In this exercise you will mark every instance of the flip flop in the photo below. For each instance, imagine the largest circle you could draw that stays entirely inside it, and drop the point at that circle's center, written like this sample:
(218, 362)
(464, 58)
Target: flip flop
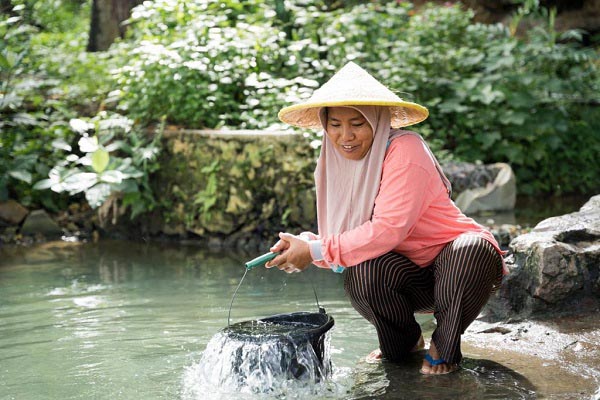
(433, 362)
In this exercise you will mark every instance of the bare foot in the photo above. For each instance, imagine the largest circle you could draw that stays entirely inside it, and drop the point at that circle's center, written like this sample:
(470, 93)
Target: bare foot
(375, 356)
(436, 366)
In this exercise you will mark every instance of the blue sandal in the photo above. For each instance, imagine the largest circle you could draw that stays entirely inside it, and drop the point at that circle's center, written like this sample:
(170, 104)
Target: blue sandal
(433, 362)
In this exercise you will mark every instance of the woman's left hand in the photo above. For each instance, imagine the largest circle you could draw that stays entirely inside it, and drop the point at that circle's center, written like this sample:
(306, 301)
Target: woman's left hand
(295, 254)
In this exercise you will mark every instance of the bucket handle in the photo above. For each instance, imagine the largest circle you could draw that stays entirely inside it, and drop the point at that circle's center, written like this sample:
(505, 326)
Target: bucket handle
(258, 261)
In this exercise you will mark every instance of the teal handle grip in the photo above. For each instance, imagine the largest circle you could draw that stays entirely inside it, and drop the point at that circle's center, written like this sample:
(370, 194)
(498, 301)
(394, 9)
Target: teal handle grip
(261, 260)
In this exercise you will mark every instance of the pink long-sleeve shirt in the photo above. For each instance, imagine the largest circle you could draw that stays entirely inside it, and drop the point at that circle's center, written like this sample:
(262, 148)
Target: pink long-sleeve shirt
(413, 214)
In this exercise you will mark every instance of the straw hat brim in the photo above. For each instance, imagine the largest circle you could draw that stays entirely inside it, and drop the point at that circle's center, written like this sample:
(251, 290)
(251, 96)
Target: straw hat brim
(352, 86)
(306, 115)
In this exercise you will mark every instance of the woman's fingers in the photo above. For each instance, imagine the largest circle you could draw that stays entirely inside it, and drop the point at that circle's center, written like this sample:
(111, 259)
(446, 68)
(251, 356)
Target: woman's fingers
(278, 261)
(290, 269)
(279, 246)
(292, 250)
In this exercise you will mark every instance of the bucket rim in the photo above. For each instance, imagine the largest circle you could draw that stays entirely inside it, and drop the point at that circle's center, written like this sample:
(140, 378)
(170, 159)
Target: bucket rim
(323, 327)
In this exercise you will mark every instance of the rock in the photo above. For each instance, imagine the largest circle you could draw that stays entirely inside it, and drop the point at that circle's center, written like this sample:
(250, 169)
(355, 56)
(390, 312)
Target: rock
(214, 243)
(555, 267)
(464, 175)
(39, 222)
(499, 195)
(12, 212)
(174, 230)
(505, 233)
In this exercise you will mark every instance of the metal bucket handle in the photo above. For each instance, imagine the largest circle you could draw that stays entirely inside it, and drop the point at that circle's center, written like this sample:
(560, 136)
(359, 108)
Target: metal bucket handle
(256, 262)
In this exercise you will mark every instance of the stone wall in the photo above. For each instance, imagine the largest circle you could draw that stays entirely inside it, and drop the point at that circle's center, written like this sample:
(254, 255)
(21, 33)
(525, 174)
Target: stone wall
(232, 187)
(235, 186)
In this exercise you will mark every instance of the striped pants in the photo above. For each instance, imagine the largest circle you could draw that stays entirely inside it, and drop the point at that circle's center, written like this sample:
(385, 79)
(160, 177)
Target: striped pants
(390, 289)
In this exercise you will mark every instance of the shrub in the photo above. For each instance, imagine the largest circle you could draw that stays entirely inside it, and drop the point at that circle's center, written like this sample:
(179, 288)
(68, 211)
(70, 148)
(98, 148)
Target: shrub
(531, 101)
(112, 163)
(46, 80)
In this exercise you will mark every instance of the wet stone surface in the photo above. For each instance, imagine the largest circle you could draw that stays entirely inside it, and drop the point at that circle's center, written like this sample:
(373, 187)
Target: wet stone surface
(559, 356)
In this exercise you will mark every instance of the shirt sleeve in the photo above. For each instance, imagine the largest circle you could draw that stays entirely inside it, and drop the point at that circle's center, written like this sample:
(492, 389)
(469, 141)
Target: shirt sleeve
(404, 195)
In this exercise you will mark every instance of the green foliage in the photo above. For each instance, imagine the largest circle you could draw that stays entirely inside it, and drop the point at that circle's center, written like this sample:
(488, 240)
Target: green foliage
(46, 79)
(530, 100)
(50, 15)
(112, 159)
(203, 67)
(492, 96)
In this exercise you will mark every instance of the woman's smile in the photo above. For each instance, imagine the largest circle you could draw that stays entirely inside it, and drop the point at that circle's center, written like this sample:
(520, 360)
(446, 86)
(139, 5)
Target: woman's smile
(349, 131)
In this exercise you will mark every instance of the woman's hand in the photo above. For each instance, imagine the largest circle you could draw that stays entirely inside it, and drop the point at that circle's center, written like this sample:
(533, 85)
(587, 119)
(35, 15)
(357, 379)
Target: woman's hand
(295, 254)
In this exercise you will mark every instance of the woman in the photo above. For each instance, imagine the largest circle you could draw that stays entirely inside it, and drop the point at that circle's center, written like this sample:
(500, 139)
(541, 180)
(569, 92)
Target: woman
(385, 216)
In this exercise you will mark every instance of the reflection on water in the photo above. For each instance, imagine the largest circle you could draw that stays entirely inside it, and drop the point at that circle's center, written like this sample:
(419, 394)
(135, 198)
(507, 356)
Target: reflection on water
(132, 321)
(529, 211)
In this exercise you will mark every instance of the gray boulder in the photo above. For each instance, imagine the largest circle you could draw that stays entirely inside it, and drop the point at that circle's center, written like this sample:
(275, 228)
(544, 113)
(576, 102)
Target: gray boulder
(554, 268)
(497, 195)
(39, 222)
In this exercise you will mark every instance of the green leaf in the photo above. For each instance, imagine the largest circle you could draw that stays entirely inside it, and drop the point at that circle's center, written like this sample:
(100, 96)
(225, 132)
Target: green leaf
(488, 139)
(112, 177)
(24, 176)
(116, 145)
(88, 144)
(128, 186)
(452, 106)
(43, 184)
(100, 159)
(61, 144)
(80, 182)
(4, 64)
(97, 195)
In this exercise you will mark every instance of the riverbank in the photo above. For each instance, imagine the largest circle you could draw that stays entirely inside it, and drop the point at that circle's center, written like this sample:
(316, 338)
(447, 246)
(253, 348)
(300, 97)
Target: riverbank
(79, 223)
(545, 350)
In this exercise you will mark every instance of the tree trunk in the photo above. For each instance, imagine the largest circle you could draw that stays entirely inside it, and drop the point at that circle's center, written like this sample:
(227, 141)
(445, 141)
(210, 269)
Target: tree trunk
(107, 22)
(6, 7)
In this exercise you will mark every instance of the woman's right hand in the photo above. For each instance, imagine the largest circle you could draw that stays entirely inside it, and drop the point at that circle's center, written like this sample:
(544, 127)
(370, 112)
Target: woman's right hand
(294, 254)
(280, 246)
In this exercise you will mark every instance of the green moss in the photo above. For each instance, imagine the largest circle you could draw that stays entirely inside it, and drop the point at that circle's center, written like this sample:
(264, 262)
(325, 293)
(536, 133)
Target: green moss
(229, 182)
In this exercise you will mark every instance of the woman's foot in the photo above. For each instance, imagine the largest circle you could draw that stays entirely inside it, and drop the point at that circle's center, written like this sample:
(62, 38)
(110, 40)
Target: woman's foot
(434, 365)
(375, 356)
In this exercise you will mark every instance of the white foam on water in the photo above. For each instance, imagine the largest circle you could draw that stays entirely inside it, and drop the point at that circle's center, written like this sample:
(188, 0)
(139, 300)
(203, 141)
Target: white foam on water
(269, 368)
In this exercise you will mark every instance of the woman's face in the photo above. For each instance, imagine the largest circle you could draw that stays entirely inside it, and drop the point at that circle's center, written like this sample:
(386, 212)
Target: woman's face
(349, 131)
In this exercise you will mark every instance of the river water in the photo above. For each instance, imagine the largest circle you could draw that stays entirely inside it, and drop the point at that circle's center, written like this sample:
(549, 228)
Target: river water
(123, 320)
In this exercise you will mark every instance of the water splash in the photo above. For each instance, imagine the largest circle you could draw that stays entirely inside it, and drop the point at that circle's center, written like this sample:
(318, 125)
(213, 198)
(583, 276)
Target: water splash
(271, 366)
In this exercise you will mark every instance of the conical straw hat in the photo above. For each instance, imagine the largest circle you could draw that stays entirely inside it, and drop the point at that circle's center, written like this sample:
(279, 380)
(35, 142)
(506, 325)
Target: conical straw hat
(352, 86)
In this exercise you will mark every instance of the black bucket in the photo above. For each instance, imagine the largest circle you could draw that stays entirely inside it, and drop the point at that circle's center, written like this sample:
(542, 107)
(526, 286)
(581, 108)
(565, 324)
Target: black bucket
(300, 339)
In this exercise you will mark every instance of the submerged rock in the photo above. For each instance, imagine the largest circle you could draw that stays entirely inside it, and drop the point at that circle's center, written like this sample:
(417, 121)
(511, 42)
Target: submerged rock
(555, 267)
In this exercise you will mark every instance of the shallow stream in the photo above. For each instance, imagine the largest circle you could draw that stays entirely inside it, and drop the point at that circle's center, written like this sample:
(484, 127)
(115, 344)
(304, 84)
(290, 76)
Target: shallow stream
(123, 320)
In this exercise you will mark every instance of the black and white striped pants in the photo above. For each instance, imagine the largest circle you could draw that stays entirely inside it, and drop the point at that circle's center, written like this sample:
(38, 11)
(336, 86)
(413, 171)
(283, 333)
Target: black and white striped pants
(390, 289)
